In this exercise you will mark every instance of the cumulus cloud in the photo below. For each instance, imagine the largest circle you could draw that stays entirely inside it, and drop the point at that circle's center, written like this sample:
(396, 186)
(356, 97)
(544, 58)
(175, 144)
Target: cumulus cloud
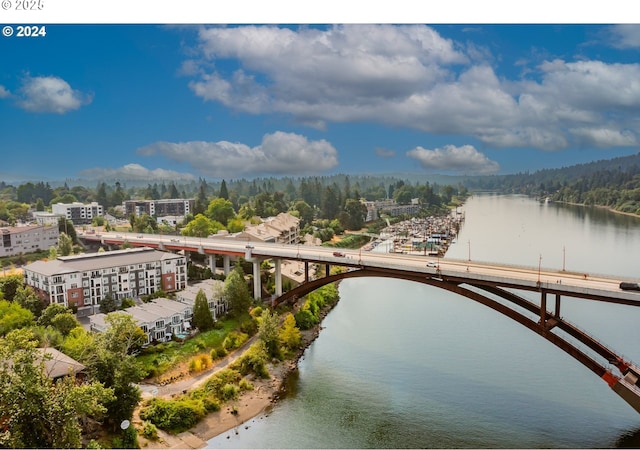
(4, 93)
(465, 159)
(50, 95)
(278, 154)
(135, 172)
(412, 77)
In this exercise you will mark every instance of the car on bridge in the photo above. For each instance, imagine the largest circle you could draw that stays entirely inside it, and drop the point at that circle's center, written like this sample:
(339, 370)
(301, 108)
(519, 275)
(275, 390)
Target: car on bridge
(339, 254)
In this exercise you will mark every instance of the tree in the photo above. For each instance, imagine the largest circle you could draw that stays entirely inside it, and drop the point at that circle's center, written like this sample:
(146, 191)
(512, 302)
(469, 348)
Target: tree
(37, 412)
(50, 312)
(224, 193)
(112, 362)
(65, 245)
(202, 318)
(65, 322)
(108, 304)
(289, 333)
(269, 332)
(28, 299)
(220, 210)
(202, 226)
(10, 284)
(53, 252)
(13, 316)
(236, 291)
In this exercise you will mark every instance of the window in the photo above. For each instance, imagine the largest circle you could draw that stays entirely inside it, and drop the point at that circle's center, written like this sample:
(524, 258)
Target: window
(160, 324)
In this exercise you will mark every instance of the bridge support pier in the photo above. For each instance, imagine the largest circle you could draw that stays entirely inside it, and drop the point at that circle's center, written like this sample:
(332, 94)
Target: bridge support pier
(306, 271)
(212, 263)
(278, 275)
(226, 264)
(257, 288)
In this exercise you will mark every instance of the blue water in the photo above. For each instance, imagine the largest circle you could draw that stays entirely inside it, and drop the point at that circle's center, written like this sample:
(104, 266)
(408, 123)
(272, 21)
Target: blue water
(401, 365)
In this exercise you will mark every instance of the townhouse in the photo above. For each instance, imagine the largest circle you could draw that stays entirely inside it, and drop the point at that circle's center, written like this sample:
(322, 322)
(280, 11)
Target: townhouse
(160, 319)
(213, 290)
(82, 281)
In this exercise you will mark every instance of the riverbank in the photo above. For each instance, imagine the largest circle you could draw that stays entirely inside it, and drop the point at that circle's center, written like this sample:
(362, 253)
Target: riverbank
(236, 415)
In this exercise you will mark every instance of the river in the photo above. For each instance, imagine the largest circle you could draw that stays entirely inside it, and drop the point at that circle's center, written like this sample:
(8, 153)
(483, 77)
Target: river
(401, 365)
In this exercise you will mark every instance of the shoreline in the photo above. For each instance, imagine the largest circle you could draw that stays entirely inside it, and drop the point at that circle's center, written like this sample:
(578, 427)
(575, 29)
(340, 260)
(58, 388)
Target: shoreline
(251, 405)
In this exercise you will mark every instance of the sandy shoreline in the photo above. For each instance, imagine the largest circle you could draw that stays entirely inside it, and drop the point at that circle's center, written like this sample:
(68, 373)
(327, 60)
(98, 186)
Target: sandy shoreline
(255, 404)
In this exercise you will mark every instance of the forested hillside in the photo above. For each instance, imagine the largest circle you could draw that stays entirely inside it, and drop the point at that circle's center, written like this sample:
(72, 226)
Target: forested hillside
(614, 183)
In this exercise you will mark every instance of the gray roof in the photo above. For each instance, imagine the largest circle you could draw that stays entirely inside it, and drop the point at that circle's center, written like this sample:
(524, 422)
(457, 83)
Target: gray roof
(94, 261)
(60, 364)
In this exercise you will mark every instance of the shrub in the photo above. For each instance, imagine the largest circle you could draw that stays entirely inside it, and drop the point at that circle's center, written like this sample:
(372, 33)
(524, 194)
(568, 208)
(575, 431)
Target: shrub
(200, 362)
(174, 415)
(229, 392)
(246, 385)
(234, 340)
(150, 431)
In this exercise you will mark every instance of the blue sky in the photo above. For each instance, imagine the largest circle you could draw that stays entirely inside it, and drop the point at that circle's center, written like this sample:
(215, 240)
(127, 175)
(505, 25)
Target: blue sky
(240, 101)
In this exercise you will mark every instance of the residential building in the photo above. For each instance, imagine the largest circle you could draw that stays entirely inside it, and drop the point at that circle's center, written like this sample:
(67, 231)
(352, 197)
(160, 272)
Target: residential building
(158, 208)
(281, 229)
(46, 218)
(27, 239)
(82, 281)
(160, 319)
(78, 213)
(58, 365)
(212, 289)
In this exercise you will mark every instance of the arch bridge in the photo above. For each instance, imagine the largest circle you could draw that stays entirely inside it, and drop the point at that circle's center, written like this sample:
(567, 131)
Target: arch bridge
(489, 284)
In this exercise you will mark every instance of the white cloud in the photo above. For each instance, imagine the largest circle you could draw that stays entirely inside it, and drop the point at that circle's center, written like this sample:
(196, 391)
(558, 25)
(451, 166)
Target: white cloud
(135, 172)
(465, 159)
(4, 93)
(279, 154)
(604, 137)
(411, 77)
(50, 95)
(625, 35)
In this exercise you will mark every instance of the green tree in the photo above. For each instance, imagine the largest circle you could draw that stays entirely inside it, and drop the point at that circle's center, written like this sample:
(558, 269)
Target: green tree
(112, 362)
(10, 284)
(202, 226)
(269, 332)
(13, 316)
(65, 322)
(50, 312)
(36, 412)
(65, 245)
(28, 299)
(224, 192)
(202, 318)
(53, 253)
(108, 304)
(289, 333)
(236, 291)
(220, 210)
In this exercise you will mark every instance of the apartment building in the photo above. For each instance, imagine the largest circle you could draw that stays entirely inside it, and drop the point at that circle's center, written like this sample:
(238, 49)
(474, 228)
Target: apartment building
(27, 239)
(78, 213)
(281, 229)
(82, 281)
(160, 319)
(159, 208)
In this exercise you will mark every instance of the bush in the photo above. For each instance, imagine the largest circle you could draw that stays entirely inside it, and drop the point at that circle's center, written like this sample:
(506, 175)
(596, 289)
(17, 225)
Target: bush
(234, 340)
(150, 431)
(246, 385)
(229, 392)
(200, 362)
(174, 415)
(218, 352)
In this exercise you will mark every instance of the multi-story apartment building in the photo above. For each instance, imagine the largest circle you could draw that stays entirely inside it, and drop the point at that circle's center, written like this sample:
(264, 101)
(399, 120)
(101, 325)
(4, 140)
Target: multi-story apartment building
(160, 319)
(78, 213)
(159, 208)
(27, 239)
(83, 281)
(281, 229)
